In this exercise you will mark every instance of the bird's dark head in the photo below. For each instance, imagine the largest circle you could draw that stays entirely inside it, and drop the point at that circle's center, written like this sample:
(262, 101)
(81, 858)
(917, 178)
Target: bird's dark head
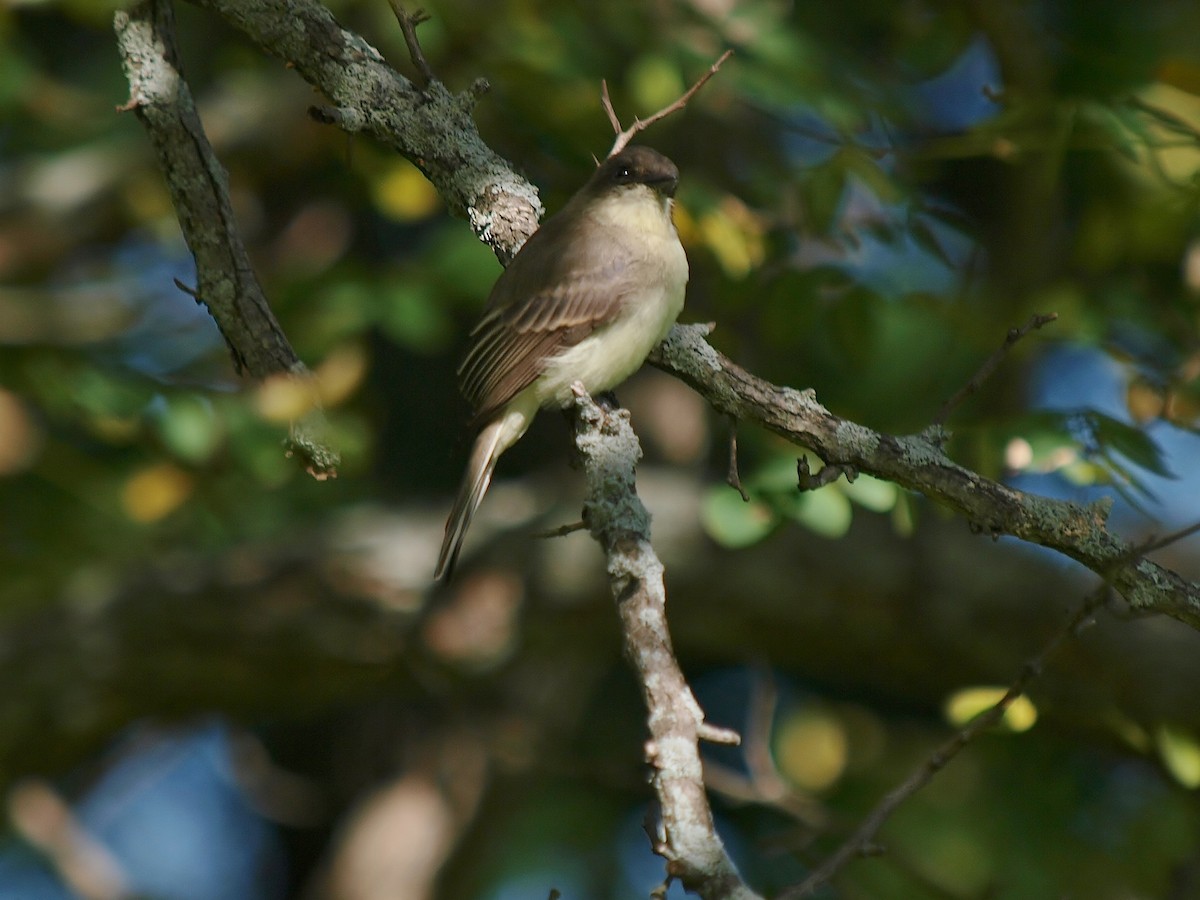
(637, 165)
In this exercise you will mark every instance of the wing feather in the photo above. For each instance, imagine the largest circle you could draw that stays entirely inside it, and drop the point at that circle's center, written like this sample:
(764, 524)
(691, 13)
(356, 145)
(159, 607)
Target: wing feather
(554, 293)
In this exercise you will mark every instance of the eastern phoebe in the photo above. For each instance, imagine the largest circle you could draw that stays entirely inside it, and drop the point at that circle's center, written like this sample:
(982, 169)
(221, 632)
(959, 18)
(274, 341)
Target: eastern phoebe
(585, 299)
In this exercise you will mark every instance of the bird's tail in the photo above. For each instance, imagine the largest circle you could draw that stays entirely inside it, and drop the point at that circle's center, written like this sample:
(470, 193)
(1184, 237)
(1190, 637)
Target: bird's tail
(476, 479)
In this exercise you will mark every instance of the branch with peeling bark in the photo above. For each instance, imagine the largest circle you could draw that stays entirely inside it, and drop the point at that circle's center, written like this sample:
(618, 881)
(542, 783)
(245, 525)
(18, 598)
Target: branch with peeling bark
(617, 520)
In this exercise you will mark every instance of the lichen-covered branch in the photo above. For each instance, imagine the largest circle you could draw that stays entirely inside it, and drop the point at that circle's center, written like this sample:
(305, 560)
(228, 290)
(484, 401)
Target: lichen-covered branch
(430, 125)
(199, 189)
(917, 462)
(618, 521)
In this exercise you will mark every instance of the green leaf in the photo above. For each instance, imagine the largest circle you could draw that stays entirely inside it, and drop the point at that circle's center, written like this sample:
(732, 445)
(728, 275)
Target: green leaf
(190, 428)
(732, 522)
(412, 315)
(822, 193)
(1130, 441)
(877, 496)
(1180, 754)
(826, 511)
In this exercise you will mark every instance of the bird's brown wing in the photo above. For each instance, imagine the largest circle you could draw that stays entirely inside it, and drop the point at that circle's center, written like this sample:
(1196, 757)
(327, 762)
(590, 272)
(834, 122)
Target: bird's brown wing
(534, 314)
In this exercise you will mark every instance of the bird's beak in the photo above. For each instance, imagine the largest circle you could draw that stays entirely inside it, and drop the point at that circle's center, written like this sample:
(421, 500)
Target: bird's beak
(665, 184)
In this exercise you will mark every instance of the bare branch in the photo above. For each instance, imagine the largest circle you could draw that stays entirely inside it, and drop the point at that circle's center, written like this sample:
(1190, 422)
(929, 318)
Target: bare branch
(918, 463)
(199, 188)
(624, 137)
(561, 530)
(618, 521)
(827, 474)
(989, 365)
(432, 127)
(1173, 537)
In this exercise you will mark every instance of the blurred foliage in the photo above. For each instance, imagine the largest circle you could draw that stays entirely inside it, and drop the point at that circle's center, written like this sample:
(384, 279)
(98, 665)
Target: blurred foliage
(872, 195)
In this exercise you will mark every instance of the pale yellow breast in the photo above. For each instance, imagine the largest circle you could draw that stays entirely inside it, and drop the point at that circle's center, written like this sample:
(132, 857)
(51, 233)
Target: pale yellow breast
(611, 354)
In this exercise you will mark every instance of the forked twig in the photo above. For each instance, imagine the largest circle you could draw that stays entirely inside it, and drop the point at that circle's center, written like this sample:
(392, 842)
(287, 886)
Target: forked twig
(408, 27)
(626, 135)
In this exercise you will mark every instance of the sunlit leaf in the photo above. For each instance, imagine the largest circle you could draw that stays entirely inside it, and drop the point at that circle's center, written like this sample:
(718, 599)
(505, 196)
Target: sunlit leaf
(20, 436)
(964, 705)
(405, 194)
(826, 511)
(285, 398)
(1180, 753)
(654, 81)
(340, 373)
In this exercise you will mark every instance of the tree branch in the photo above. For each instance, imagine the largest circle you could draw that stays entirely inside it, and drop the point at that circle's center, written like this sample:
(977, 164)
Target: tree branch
(917, 462)
(618, 521)
(430, 126)
(199, 188)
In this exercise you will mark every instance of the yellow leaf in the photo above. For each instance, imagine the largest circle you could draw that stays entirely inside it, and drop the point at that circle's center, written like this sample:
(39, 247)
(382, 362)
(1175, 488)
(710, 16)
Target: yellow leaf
(966, 704)
(285, 398)
(811, 749)
(1180, 753)
(735, 236)
(340, 373)
(155, 492)
(20, 436)
(404, 194)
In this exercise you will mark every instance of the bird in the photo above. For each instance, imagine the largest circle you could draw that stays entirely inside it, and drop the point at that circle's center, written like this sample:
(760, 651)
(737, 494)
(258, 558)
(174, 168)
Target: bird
(585, 299)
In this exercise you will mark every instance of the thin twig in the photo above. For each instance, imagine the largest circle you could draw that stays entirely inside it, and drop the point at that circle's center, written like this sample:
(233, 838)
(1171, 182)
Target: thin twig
(733, 478)
(919, 463)
(561, 530)
(989, 365)
(606, 102)
(863, 839)
(1167, 540)
(624, 137)
(408, 27)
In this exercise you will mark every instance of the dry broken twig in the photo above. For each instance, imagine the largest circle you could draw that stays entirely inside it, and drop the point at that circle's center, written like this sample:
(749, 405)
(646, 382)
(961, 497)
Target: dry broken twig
(626, 135)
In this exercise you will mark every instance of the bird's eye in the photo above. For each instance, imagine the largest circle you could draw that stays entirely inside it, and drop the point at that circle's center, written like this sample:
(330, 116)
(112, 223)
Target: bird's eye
(624, 173)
